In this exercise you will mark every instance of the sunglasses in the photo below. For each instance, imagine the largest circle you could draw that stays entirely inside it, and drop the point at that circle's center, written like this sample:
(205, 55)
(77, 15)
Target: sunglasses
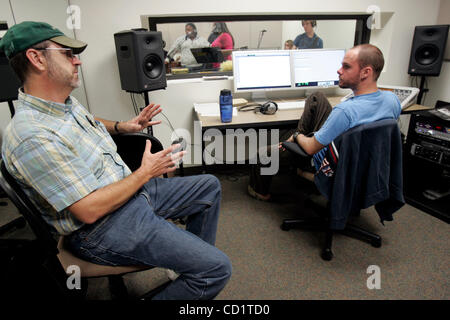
(67, 51)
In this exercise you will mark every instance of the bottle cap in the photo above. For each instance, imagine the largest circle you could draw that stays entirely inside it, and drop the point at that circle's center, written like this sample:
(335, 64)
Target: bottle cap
(225, 92)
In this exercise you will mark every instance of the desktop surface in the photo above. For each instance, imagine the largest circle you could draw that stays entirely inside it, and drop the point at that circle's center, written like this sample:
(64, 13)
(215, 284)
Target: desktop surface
(250, 119)
(283, 117)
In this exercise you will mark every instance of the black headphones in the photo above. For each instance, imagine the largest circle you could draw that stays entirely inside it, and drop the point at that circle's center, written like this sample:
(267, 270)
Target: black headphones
(268, 107)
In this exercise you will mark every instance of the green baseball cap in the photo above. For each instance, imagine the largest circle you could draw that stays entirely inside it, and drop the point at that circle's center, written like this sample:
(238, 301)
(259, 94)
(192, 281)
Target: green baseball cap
(25, 34)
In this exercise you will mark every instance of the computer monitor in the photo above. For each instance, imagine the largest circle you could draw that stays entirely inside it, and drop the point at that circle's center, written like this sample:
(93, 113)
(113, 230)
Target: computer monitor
(260, 71)
(317, 67)
(269, 70)
(207, 55)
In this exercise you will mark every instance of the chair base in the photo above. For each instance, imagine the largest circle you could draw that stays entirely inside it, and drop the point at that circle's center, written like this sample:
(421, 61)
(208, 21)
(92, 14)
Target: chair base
(321, 224)
(17, 223)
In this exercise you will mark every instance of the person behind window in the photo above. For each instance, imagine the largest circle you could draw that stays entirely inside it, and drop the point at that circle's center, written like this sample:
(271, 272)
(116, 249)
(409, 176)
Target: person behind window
(184, 44)
(289, 45)
(309, 39)
(221, 38)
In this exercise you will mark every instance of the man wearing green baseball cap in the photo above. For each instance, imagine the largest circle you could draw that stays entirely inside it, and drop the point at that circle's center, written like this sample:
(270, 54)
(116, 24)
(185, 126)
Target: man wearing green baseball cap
(67, 163)
(26, 34)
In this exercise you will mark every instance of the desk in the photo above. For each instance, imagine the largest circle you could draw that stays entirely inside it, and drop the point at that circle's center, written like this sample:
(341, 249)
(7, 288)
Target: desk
(282, 119)
(414, 108)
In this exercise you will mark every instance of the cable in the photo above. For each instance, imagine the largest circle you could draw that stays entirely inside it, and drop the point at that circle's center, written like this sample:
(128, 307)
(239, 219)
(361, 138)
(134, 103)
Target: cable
(425, 90)
(12, 12)
(170, 124)
(135, 106)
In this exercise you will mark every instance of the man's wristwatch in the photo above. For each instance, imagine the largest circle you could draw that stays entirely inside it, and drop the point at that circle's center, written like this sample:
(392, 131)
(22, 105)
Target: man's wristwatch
(295, 135)
(116, 128)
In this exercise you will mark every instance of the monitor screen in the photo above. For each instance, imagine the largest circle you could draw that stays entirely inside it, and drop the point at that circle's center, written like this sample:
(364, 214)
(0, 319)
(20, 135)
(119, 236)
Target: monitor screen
(316, 68)
(261, 70)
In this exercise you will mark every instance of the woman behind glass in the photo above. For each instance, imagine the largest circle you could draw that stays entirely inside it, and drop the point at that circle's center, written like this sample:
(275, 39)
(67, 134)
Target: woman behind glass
(221, 37)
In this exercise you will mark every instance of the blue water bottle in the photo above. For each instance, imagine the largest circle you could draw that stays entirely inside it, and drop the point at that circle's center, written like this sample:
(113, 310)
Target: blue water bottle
(226, 105)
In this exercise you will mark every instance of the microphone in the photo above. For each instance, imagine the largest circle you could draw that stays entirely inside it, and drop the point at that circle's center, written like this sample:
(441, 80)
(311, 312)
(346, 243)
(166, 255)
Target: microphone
(261, 36)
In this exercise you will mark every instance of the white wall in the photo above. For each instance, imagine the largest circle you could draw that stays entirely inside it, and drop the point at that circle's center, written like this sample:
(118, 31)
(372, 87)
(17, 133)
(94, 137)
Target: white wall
(100, 19)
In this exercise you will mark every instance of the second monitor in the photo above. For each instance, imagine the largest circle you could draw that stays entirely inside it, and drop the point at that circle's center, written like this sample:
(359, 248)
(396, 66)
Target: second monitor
(316, 68)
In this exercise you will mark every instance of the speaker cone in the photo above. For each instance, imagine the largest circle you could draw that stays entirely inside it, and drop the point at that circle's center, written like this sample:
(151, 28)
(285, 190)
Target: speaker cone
(427, 54)
(153, 66)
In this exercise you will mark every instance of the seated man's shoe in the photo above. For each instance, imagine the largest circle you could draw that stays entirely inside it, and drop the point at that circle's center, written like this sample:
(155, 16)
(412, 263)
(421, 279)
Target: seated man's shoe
(256, 195)
(172, 275)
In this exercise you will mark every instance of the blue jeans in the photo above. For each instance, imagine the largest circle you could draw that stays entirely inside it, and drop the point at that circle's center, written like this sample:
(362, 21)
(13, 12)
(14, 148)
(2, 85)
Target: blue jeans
(138, 234)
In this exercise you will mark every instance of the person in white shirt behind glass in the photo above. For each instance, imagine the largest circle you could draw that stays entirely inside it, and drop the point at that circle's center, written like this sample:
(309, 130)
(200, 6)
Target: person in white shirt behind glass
(183, 44)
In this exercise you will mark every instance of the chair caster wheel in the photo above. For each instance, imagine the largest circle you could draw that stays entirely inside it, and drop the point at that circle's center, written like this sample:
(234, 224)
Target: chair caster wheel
(327, 254)
(285, 227)
(376, 243)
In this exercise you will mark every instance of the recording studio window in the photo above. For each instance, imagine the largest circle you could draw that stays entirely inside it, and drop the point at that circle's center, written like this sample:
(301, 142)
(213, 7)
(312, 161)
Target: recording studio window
(194, 49)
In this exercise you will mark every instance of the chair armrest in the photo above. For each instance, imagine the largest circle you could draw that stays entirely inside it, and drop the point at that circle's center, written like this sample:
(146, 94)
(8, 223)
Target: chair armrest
(294, 148)
(131, 147)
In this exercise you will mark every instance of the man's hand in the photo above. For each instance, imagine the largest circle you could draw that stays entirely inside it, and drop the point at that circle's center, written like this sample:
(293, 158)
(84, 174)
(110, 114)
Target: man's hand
(107, 199)
(142, 121)
(156, 164)
(290, 139)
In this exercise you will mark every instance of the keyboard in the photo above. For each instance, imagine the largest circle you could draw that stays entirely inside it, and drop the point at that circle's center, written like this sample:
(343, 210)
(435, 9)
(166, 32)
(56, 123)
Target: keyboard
(288, 105)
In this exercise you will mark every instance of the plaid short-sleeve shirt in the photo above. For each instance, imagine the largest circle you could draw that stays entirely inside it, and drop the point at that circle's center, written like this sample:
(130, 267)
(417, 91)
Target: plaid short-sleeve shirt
(59, 154)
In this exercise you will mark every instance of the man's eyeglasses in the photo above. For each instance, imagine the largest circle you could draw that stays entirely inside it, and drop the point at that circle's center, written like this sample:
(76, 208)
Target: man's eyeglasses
(67, 51)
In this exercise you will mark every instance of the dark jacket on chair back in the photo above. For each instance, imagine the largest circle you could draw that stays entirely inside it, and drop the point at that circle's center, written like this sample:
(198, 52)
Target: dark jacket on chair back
(367, 162)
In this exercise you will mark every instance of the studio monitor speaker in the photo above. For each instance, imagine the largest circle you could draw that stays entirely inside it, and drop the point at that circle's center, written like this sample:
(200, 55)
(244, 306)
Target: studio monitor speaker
(9, 82)
(140, 57)
(427, 51)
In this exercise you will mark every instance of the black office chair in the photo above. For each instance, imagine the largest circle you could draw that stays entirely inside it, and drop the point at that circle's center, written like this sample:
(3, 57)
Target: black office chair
(130, 145)
(49, 254)
(364, 160)
(16, 223)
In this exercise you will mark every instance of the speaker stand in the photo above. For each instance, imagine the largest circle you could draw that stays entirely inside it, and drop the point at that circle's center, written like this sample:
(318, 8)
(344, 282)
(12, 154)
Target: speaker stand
(147, 102)
(422, 90)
